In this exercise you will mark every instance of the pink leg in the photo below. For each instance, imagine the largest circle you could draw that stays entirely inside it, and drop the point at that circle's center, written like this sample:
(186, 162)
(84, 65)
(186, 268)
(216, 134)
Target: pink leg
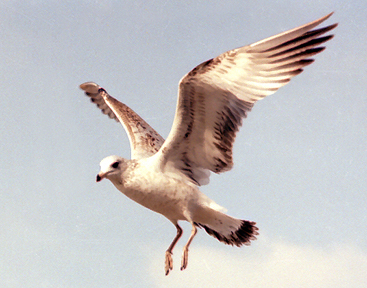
(185, 254)
(169, 261)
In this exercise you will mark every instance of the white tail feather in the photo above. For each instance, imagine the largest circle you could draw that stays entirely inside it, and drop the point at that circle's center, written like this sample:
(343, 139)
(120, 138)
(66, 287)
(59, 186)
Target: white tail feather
(226, 229)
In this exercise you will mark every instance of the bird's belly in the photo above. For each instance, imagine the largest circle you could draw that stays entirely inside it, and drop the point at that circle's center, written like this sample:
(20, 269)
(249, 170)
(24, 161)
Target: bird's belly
(167, 197)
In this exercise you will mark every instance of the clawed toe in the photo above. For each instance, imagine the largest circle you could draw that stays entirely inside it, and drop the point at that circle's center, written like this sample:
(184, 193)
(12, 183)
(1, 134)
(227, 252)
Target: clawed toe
(168, 262)
(185, 259)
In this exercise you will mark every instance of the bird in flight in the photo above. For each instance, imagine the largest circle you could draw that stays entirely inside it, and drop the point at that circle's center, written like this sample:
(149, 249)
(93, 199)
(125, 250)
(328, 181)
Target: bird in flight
(213, 98)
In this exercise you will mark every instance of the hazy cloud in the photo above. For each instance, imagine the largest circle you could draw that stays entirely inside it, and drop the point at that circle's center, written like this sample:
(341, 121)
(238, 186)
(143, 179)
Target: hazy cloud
(282, 265)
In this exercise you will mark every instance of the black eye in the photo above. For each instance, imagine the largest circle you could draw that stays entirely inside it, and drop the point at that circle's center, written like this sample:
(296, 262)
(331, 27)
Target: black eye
(115, 164)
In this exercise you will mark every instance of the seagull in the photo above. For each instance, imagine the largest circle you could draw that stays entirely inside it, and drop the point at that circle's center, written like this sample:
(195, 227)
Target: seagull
(213, 99)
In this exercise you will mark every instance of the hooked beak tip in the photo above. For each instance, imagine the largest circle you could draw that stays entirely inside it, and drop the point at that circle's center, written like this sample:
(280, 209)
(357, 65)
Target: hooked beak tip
(98, 178)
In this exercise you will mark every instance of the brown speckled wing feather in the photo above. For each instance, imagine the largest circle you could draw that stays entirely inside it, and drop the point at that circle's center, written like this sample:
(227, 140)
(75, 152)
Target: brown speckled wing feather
(144, 140)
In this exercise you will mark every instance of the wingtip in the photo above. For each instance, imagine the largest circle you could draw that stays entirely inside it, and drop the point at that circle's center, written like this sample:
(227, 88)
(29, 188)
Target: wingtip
(322, 19)
(332, 26)
(89, 87)
(329, 15)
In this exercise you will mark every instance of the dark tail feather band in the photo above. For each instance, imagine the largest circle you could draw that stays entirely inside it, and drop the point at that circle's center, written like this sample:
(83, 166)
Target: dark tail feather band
(241, 236)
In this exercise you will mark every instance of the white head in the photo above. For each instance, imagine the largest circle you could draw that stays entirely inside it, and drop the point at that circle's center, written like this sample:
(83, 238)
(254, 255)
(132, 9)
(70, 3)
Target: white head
(111, 166)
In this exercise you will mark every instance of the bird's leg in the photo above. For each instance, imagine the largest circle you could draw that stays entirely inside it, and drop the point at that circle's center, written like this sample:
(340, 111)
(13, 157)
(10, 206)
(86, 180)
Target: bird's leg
(169, 261)
(185, 254)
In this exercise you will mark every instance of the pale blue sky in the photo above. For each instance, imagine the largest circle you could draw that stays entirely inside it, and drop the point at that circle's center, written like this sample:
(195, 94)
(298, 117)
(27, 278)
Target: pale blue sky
(300, 159)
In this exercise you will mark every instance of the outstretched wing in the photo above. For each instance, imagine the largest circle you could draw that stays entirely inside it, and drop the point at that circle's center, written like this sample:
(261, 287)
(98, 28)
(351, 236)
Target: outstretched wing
(216, 95)
(144, 140)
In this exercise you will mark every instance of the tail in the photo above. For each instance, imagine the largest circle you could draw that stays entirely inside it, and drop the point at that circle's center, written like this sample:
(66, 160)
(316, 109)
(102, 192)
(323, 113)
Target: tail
(226, 229)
